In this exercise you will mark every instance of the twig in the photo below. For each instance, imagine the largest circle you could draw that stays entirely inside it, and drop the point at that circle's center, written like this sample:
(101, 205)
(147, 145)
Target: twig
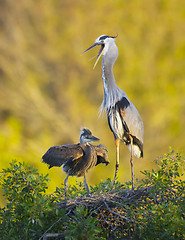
(50, 228)
(115, 202)
(116, 224)
(108, 224)
(53, 235)
(119, 215)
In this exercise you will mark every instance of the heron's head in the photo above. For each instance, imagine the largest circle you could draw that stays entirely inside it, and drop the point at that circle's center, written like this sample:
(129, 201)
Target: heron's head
(105, 42)
(86, 136)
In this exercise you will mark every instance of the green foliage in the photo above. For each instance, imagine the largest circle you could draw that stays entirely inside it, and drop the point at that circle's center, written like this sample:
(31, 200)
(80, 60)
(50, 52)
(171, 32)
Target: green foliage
(29, 210)
(73, 191)
(161, 215)
(106, 186)
(82, 227)
(30, 213)
(20, 182)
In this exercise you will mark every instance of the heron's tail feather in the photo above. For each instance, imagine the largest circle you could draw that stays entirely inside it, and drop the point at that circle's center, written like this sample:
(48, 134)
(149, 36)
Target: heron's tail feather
(137, 151)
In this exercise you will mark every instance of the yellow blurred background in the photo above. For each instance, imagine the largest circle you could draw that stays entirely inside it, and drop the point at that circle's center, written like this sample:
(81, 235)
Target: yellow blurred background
(48, 91)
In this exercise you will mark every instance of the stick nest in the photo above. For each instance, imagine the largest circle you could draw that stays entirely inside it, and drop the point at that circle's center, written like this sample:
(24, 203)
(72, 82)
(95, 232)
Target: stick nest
(110, 208)
(112, 199)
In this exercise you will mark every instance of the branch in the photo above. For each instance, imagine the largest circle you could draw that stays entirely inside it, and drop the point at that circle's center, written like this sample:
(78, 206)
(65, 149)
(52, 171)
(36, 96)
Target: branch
(45, 235)
(119, 215)
(53, 235)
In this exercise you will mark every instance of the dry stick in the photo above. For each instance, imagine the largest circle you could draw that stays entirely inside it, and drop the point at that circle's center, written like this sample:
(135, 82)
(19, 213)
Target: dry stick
(115, 202)
(52, 226)
(116, 224)
(102, 221)
(77, 204)
(53, 235)
(108, 224)
(100, 207)
(116, 213)
(135, 195)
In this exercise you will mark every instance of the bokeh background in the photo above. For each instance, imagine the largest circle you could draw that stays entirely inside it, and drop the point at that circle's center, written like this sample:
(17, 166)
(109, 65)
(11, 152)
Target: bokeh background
(48, 91)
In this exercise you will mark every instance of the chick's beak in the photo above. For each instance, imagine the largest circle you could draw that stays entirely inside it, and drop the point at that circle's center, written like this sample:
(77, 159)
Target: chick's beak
(93, 138)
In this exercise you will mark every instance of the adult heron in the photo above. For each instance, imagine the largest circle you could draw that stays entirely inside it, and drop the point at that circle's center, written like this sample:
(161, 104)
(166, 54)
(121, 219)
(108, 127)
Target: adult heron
(77, 159)
(123, 118)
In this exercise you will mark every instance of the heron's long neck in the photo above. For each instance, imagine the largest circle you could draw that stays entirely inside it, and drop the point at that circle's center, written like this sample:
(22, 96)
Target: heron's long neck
(111, 90)
(107, 75)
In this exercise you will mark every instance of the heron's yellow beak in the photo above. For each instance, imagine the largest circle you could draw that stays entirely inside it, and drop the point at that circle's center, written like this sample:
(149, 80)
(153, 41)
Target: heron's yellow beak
(99, 56)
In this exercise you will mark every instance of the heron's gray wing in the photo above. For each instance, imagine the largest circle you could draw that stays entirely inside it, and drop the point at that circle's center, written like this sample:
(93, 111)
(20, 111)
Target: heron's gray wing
(125, 121)
(132, 124)
(116, 118)
(102, 154)
(58, 155)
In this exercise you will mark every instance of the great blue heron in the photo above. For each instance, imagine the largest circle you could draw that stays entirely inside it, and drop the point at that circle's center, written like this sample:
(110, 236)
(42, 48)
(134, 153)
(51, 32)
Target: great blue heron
(77, 159)
(123, 118)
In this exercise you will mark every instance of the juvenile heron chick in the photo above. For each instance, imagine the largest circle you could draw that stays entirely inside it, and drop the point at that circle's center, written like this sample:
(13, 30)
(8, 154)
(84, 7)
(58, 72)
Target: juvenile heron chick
(77, 159)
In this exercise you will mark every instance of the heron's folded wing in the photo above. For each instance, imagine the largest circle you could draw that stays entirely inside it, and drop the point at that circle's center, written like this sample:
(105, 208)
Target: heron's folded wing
(102, 154)
(131, 119)
(58, 155)
(132, 124)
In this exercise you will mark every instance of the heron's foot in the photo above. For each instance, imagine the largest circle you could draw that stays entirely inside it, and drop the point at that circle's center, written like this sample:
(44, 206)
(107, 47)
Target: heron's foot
(86, 186)
(89, 194)
(66, 187)
(113, 184)
(115, 176)
(88, 191)
(65, 195)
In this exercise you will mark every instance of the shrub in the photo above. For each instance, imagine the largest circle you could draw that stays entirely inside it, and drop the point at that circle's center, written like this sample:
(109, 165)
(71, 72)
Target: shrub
(154, 210)
(29, 210)
(161, 215)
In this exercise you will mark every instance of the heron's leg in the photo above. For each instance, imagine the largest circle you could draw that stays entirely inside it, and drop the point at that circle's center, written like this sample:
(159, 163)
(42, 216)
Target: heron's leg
(66, 186)
(86, 185)
(117, 142)
(131, 160)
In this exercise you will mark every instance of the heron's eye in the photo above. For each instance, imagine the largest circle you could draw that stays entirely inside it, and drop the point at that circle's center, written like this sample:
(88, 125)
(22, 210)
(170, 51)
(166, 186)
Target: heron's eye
(85, 136)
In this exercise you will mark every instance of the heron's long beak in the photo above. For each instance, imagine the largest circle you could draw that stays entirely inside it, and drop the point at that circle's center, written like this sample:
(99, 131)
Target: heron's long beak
(94, 45)
(99, 54)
